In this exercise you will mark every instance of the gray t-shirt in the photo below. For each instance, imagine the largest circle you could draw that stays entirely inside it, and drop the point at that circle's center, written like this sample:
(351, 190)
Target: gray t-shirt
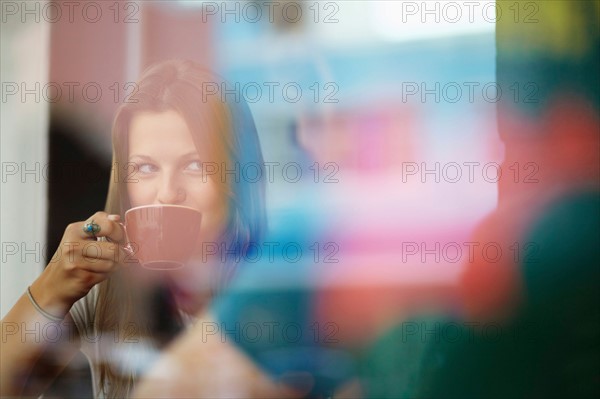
(134, 352)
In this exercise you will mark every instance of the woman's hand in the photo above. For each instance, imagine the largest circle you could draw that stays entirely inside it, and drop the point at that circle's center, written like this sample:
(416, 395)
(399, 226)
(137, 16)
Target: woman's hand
(80, 262)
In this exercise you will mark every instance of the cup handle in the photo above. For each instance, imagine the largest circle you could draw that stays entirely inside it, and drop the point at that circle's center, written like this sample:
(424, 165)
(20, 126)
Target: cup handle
(127, 247)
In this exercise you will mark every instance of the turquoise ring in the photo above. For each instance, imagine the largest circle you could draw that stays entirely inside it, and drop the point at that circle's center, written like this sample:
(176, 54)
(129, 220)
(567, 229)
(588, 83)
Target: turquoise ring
(91, 228)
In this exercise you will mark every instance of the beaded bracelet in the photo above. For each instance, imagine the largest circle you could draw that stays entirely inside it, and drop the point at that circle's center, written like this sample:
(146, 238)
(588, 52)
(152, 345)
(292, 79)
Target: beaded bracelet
(40, 310)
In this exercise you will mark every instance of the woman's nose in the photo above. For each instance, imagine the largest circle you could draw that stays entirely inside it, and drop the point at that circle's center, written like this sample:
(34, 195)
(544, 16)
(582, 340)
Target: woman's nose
(170, 191)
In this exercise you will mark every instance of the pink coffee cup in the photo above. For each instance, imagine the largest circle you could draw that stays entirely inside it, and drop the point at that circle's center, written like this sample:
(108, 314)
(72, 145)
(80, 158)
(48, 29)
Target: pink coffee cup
(162, 236)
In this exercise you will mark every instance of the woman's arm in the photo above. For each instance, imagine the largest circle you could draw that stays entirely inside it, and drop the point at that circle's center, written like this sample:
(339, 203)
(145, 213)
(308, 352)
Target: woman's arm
(39, 337)
(30, 339)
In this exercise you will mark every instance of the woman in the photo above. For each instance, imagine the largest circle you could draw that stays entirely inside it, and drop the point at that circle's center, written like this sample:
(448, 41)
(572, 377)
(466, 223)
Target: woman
(178, 121)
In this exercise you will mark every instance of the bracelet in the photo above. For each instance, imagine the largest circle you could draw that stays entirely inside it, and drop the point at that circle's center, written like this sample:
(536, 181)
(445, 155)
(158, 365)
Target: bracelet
(40, 310)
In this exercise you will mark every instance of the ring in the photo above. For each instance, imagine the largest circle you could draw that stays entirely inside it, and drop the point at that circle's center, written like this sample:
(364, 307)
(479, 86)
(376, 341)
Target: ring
(91, 228)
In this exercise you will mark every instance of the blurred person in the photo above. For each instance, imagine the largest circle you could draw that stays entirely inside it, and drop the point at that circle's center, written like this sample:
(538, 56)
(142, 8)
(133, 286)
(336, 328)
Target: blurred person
(117, 312)
(530, 324)
(551, 142)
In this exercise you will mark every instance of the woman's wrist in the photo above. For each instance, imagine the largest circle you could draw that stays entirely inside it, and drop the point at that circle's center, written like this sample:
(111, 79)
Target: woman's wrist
(48, 302)
(40, 310)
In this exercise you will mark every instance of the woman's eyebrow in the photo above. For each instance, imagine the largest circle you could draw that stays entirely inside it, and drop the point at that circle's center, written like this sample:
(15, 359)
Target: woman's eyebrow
(145, 157)
(190, 155)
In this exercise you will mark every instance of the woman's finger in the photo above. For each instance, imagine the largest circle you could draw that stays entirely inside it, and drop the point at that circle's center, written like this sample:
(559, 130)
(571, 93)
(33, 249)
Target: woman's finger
(101, 224)
(102, 250)
(98, 266)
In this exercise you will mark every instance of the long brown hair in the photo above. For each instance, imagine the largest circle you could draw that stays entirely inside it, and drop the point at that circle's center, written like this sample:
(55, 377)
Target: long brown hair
(222, 125)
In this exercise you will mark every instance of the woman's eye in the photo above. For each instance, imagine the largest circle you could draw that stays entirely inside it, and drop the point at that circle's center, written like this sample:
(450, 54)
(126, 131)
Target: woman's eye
(147, 168)
(195, 166)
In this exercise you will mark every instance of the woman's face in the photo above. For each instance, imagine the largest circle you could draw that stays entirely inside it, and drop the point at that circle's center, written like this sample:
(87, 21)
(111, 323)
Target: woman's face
(169, 170)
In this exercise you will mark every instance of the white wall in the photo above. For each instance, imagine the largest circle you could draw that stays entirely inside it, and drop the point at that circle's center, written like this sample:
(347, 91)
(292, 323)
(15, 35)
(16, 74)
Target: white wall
(24, 142)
